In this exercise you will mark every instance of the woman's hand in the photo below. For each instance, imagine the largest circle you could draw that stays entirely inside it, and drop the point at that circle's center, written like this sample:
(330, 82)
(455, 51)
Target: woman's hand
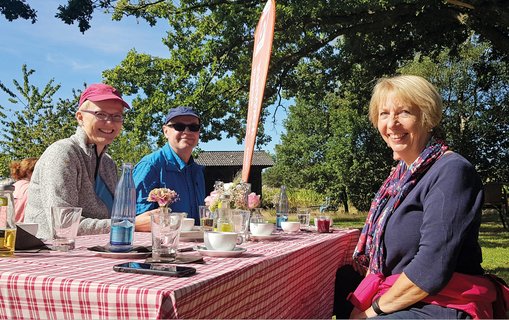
(357, 314)
(142, 222)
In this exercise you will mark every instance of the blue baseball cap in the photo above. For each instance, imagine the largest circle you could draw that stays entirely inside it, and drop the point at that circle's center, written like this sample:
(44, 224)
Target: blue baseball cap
(180, 111)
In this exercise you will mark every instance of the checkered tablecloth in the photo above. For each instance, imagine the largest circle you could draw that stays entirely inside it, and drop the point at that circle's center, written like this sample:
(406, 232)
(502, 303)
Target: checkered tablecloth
(292, 277)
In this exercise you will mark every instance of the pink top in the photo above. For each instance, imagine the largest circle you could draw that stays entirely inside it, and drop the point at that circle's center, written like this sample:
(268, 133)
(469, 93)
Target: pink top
(20, 199)
(473, 294)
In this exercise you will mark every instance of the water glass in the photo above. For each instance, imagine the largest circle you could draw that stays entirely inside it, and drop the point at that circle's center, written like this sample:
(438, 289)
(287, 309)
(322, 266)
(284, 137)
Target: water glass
(207, 219)
(166, 228)
(65, 222)
(240, 219)
(304, 216)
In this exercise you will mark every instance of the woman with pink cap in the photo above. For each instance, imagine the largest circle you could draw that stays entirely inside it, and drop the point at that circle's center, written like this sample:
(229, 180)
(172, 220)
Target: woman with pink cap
(77, 171)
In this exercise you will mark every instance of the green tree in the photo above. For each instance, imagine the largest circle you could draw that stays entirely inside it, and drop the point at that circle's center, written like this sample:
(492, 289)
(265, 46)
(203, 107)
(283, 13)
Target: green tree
(36, 122)
(331, 148)
(210, 49)
(475, 88)
(349, 153)
(488, 18)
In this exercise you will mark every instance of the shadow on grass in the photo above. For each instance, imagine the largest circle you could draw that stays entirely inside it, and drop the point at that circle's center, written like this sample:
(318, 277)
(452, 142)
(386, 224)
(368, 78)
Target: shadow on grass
(498, 270)
(492, 233)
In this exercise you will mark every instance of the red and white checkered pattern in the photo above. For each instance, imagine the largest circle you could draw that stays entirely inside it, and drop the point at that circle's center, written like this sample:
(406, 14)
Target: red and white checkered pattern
(292, 277)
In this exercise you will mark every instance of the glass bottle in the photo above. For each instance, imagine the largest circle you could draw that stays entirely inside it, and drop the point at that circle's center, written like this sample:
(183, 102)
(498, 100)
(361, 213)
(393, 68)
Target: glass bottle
(7, 223)
(224, 220)
(282, 208)
(124, 212)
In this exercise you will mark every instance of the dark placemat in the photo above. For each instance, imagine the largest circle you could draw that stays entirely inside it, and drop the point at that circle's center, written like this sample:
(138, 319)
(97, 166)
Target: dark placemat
(26, 242)
(180, 259)
(134, 249)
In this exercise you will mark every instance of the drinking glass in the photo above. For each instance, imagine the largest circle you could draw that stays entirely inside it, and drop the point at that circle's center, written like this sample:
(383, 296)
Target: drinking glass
(304, 216)
(224, 220)
(240, 219)
(65, 224)
(323, 224)
(207, 219)
(166, 228)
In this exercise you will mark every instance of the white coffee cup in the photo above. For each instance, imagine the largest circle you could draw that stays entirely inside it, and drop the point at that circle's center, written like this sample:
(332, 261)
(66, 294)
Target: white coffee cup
(261, 229)
(187, 224)
(221, 241)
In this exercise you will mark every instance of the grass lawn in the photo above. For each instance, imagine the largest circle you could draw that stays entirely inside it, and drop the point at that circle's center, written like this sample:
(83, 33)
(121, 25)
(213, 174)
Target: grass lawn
(494, 241)
(493, 237)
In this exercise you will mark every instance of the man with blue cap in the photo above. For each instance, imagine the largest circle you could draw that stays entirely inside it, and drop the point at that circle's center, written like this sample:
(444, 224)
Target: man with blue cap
(173, 167)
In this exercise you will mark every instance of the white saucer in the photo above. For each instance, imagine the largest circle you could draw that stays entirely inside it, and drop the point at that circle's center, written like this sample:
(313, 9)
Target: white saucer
(123, 255)
(269, 237)
(237, 251)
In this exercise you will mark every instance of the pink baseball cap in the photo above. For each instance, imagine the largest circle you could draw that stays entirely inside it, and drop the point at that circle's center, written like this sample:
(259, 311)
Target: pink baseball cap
(100, 92)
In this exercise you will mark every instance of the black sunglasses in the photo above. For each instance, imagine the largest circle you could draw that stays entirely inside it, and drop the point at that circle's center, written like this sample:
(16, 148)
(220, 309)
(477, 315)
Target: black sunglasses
(194, 127)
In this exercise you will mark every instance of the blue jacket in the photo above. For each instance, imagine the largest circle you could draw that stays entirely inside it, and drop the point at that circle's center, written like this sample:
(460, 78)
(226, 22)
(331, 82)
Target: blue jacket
(164, 169)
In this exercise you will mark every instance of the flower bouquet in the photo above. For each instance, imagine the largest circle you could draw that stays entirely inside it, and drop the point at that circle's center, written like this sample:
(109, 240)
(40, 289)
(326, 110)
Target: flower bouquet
(232, 202)
(164, 197)
(236, 194)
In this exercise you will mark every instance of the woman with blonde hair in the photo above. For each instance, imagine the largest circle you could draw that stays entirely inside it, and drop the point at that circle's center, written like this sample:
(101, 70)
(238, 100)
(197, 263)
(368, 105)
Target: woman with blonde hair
(420, 244)
(21, 172)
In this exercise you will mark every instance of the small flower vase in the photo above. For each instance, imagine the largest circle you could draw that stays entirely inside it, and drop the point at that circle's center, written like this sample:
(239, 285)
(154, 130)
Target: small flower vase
(165, 210)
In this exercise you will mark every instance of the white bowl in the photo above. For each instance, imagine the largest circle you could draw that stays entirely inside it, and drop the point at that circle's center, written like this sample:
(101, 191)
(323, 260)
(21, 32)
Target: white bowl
(187, 224)
(290, 226)
(29, 227)
(261, 229)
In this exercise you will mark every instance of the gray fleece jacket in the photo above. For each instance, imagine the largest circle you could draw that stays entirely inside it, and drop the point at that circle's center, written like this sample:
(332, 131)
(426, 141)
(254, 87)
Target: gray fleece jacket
(65, 176)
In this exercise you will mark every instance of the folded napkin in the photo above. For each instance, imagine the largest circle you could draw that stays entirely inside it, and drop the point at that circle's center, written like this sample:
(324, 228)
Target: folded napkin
(26, 242)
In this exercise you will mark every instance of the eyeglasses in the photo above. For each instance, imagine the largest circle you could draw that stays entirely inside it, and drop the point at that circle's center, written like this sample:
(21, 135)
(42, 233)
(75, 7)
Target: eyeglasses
(194, 127)
(103, 116)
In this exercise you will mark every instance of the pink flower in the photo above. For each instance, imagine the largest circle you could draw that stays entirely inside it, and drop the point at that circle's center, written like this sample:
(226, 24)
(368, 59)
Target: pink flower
(253, 200)
(163, 196)
(212, 201)
(209, 200)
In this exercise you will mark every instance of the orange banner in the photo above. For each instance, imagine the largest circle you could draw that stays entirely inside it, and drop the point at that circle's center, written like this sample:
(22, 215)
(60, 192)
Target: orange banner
(264, 33)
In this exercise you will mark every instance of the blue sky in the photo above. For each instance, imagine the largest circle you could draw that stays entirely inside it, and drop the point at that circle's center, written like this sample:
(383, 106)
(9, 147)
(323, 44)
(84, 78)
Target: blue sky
(59, 51)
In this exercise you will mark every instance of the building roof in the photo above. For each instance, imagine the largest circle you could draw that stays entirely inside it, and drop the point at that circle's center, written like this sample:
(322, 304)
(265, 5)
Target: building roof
(232, 158)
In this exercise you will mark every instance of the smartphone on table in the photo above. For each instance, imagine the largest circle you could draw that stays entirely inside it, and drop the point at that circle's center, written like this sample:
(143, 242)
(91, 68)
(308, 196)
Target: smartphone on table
(154, 268)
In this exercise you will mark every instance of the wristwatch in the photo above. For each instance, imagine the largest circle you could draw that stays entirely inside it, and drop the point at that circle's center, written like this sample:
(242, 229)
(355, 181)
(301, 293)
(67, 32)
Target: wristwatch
(376, 307)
